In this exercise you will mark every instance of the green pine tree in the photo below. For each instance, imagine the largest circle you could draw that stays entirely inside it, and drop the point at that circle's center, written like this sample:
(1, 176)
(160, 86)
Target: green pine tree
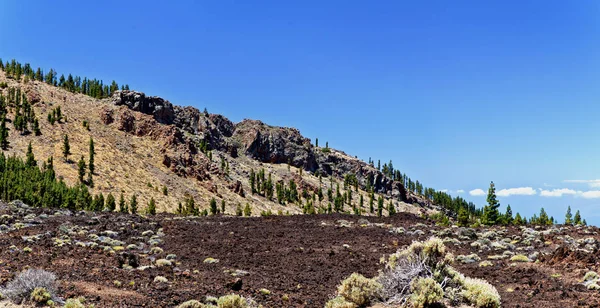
(151, 210)
(213, 206)
(508, 216)
(3, 134)
(122, 205)
(568, 217)
(133, 204)
(491, 215)
(577, 219)
(110, 203)
(463, 217)
(81, 169)
(30, 158)
(66, 148)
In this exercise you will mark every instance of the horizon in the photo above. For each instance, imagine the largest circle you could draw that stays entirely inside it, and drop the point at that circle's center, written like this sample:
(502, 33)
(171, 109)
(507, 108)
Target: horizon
(452, 140)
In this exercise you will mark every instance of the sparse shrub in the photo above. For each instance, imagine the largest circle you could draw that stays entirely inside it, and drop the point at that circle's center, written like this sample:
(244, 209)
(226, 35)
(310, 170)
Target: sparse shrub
(40, 296)
(75, 303)
(591, 276)
(520, 258)
(163, 262)
(339, 302)
(160, 279)
(22, 287)
(358, 289)
(191, 304)
(232, 301)
(264, 291)
(485, 263)
(425, 291)
(480, 293)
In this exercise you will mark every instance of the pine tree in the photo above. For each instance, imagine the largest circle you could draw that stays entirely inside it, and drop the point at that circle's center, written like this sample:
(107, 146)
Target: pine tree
(247, 210)
(3, 134)
(463, 217)
(66, 148)
(508, 216)
(36, 127)
(391, 209)
(110, 203)
(151, 210)
(223, 206)
(543, 219)
(518, 220)
(568, 217)
(92, 153)
(213, 206)
(490, 211)
(133, 204)
(122, 205)
(577, 219)
(81, 169)
(30, 158)
(379, 206)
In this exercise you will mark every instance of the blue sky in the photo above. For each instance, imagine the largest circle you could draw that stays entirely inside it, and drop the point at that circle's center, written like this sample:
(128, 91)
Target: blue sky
(456, 93)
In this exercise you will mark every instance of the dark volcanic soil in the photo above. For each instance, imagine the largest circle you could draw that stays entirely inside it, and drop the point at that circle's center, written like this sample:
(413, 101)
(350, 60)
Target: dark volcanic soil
(299, 259)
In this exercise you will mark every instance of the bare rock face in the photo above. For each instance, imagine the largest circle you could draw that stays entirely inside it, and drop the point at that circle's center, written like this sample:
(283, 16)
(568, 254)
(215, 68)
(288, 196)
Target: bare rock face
(126, 121)
(161, 109)
(275, 144)
(107, 116)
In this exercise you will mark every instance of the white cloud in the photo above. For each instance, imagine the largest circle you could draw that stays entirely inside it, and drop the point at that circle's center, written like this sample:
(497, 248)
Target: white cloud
(591, 183)
(590, 194)
(557, 192)
(522, 191)
(460, 191)
(477, 192)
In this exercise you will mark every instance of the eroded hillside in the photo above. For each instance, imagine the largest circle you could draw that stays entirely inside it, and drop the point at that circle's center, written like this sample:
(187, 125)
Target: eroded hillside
(144, 144)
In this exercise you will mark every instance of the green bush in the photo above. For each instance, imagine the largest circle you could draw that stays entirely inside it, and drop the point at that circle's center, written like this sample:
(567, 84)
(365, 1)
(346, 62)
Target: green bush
(480, 293)
(191, 304)
(339, 302)
(520, 258)
(232, 301)
(425, 292)
(40, 296)
(358, 289)
(591, 276)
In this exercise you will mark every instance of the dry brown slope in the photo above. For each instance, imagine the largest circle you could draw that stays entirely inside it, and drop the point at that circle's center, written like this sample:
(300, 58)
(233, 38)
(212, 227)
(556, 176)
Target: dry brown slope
(130, 164)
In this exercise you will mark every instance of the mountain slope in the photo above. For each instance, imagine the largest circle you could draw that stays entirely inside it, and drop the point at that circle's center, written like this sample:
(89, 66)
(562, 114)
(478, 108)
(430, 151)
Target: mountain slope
(145, 143)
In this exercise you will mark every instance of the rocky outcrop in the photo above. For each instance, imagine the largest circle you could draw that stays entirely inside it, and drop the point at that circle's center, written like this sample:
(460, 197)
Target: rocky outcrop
(161, 109)
(107, 116)
(255, 139)
(277, 145)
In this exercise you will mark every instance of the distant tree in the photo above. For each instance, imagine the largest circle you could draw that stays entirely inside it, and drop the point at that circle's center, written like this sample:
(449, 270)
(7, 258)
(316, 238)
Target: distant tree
(213, 206)
(190, 206)
(379, 206)
(122, 205)
(577, 219)
(133, 204)
(35, 126)
(165, 191)
(247, 210)
(223, 206)
(30, 158)
(3, 133)
(463, 217)
(110, 203)
(239, 211)
(391, 209)
(568, 217)
(327, 144)
(490, 211)
(151, 210)
(92, 151)
(66, 148)
(317, 142)
(544, 219)
(518, 220)
(508, 216)
(81, 169)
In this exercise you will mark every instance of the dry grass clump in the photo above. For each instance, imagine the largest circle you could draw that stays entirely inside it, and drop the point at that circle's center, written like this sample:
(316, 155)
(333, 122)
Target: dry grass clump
(425, 292)
(358, 289)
